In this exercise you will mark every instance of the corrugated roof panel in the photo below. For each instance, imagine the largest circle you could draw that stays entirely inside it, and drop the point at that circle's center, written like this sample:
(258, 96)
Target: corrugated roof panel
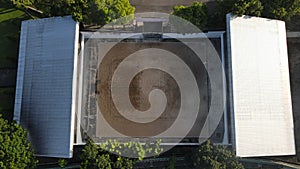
(45, 94)
(262, 106)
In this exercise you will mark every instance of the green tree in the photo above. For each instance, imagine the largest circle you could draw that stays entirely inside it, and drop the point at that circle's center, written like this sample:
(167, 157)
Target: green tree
(276, 9)
(96, 156)
(15, 150)
(240, 7)
(22, 3)
(48, 8)
(197, 14)
(236, 7)
(122, 11)
(91, 12)
(62, 163)
(247, 7)
(281, 9)
(102, 12)
(209, 156)
(95, 12)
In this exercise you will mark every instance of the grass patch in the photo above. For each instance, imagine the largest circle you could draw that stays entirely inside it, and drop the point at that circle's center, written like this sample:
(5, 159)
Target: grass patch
(10, 26)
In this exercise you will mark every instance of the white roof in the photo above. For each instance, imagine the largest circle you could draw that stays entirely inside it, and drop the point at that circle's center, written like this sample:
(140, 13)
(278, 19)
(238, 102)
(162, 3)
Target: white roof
(261, 104)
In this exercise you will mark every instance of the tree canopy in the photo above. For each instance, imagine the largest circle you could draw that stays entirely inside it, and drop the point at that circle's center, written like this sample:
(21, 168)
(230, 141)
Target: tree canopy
(281, 9)
(94, 156)
(276, 9)
(91, 12)
(197, 14)
(97, 156)
(15, 150)
(209, 156)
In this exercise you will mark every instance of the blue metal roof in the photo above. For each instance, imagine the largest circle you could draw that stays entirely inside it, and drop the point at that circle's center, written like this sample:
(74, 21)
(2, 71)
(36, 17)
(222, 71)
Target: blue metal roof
(45, 95)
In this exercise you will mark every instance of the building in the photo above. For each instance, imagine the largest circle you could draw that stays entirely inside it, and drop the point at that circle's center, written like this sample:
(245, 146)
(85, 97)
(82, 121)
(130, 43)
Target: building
(64, 85)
